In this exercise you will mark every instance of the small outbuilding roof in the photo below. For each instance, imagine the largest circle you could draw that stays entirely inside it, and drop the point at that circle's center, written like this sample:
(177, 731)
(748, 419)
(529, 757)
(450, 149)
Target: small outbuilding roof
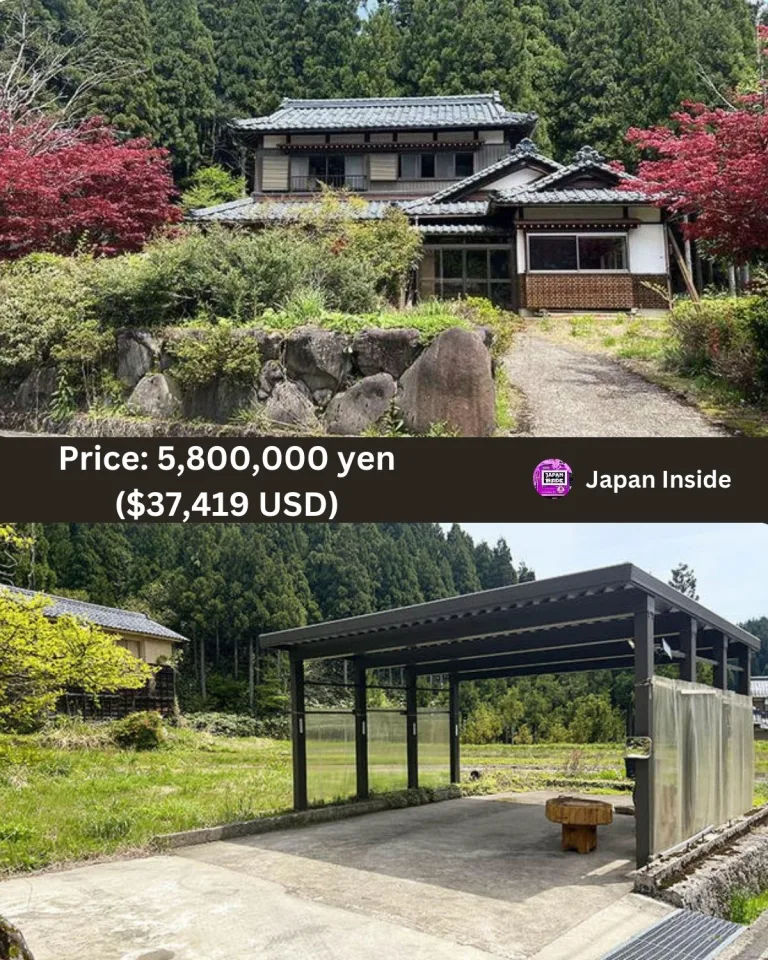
(759, 687)
(249, 210)
(527, 197)
(111, 618)
(389, 113)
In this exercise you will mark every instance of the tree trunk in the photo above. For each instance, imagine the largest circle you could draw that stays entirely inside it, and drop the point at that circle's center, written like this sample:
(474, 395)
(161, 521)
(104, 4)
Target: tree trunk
(237, 660)
(732, 280)
(202, 668)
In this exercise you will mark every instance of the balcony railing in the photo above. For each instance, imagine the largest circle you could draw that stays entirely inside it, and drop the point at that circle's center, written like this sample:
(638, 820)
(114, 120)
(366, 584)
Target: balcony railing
(313, 184)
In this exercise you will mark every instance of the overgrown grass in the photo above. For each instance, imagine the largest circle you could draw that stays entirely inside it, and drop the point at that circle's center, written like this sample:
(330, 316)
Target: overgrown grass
(59, 805)
(69, 795)
(647, 345)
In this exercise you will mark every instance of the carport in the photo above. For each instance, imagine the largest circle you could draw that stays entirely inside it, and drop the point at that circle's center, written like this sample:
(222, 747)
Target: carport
(694, 768)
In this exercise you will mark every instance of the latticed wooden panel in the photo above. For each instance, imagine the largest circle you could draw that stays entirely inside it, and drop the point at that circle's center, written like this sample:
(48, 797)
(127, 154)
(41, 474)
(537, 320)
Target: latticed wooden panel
(561, 291)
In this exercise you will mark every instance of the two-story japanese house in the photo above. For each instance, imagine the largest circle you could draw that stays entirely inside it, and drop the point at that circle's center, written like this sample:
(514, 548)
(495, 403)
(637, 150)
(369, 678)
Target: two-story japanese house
(499, 219)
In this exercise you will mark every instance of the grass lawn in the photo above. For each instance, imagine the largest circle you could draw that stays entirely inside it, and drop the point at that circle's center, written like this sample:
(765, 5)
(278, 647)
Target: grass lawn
(642, 343)
(64, 804)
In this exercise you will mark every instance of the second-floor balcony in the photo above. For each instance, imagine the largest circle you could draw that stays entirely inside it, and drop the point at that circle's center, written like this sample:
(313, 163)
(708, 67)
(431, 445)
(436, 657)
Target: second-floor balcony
(315, 183)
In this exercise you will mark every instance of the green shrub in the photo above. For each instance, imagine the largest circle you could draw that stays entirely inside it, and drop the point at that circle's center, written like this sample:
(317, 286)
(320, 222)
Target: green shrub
(726, 338)
(215, 352)
(237, 725)
(210, 187)
(139, 731)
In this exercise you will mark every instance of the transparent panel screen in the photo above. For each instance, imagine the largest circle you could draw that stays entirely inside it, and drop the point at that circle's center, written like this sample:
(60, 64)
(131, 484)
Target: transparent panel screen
(387, 751)
(434, 748)
(331, 768)
(702, 756)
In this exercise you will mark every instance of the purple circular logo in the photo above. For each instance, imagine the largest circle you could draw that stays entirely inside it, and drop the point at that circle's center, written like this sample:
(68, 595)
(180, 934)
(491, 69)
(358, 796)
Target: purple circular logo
(552, 478)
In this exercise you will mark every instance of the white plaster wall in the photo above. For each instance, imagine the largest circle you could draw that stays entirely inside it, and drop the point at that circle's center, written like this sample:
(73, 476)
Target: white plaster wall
(647, 249)
(515, 179)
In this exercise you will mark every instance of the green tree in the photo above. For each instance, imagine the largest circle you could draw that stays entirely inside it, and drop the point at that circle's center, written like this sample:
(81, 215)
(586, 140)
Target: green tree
(683, 579)
(41, 658)
(377, 55)
(210, 186)
(122, 40)
(595, 721)
(185, 75)
(589, 109)
(242, 50)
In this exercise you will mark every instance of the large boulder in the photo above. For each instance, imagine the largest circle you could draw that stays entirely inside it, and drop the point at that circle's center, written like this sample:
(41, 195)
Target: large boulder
(288, 404)
(217, 401)
(271, 374)
(320, 358)
(361, 406)
(270, 341)
(136, 352)
(450, 383)
(156, 395)
(37, 390)
(386, 351)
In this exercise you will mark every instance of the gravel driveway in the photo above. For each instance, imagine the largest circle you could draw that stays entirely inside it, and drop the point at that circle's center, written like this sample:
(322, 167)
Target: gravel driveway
(570, 393)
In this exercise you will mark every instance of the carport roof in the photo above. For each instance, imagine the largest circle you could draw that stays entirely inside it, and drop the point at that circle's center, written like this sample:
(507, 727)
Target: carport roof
(579, 621)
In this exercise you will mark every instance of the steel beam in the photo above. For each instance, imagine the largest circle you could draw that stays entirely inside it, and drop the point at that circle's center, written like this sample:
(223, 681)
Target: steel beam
(566, 655)
(453, 722)
(744, 677)
(449, 654)
(412, 729)
(644, 657)
(688, 646)
(579, 666)
(361, 732)
(720, 654)
(298, 734)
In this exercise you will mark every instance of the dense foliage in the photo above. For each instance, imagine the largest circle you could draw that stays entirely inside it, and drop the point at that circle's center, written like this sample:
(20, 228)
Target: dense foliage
(711, 165)
(724, 338)
(590, 68)
(65, 310)
(79, 188)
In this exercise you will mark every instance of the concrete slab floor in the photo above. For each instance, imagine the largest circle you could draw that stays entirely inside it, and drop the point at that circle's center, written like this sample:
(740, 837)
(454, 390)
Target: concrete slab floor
(474, 878)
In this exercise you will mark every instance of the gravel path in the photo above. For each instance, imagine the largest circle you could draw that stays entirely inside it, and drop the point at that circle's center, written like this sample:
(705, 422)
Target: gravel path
(570, 393)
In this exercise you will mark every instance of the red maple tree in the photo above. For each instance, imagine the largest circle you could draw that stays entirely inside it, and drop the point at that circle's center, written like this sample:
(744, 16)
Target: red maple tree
(79, 187)
(712, 164)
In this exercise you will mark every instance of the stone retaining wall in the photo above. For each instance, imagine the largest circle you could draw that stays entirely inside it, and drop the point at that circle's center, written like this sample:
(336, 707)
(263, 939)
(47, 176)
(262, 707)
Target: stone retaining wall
(705, 875)
(311, 380)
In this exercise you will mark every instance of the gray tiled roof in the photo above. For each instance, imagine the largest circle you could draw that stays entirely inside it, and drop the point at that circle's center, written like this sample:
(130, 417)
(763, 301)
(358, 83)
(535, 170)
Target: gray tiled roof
(460, 229)
(529, 197)
(459, 208)
(265, 211)
(525, 150)
(759, 687)
(124, 621)
(389, 113)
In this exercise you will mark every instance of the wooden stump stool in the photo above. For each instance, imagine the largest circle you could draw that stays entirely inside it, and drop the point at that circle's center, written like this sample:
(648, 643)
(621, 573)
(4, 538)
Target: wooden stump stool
(580, 819)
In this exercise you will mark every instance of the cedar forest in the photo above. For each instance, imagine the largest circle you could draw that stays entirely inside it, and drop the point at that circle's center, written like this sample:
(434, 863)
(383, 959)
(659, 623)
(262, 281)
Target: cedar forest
(221, 585)
(591, 69)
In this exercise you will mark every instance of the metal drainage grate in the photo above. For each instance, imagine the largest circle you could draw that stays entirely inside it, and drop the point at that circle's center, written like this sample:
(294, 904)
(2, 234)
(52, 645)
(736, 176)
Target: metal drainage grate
(681, 936)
